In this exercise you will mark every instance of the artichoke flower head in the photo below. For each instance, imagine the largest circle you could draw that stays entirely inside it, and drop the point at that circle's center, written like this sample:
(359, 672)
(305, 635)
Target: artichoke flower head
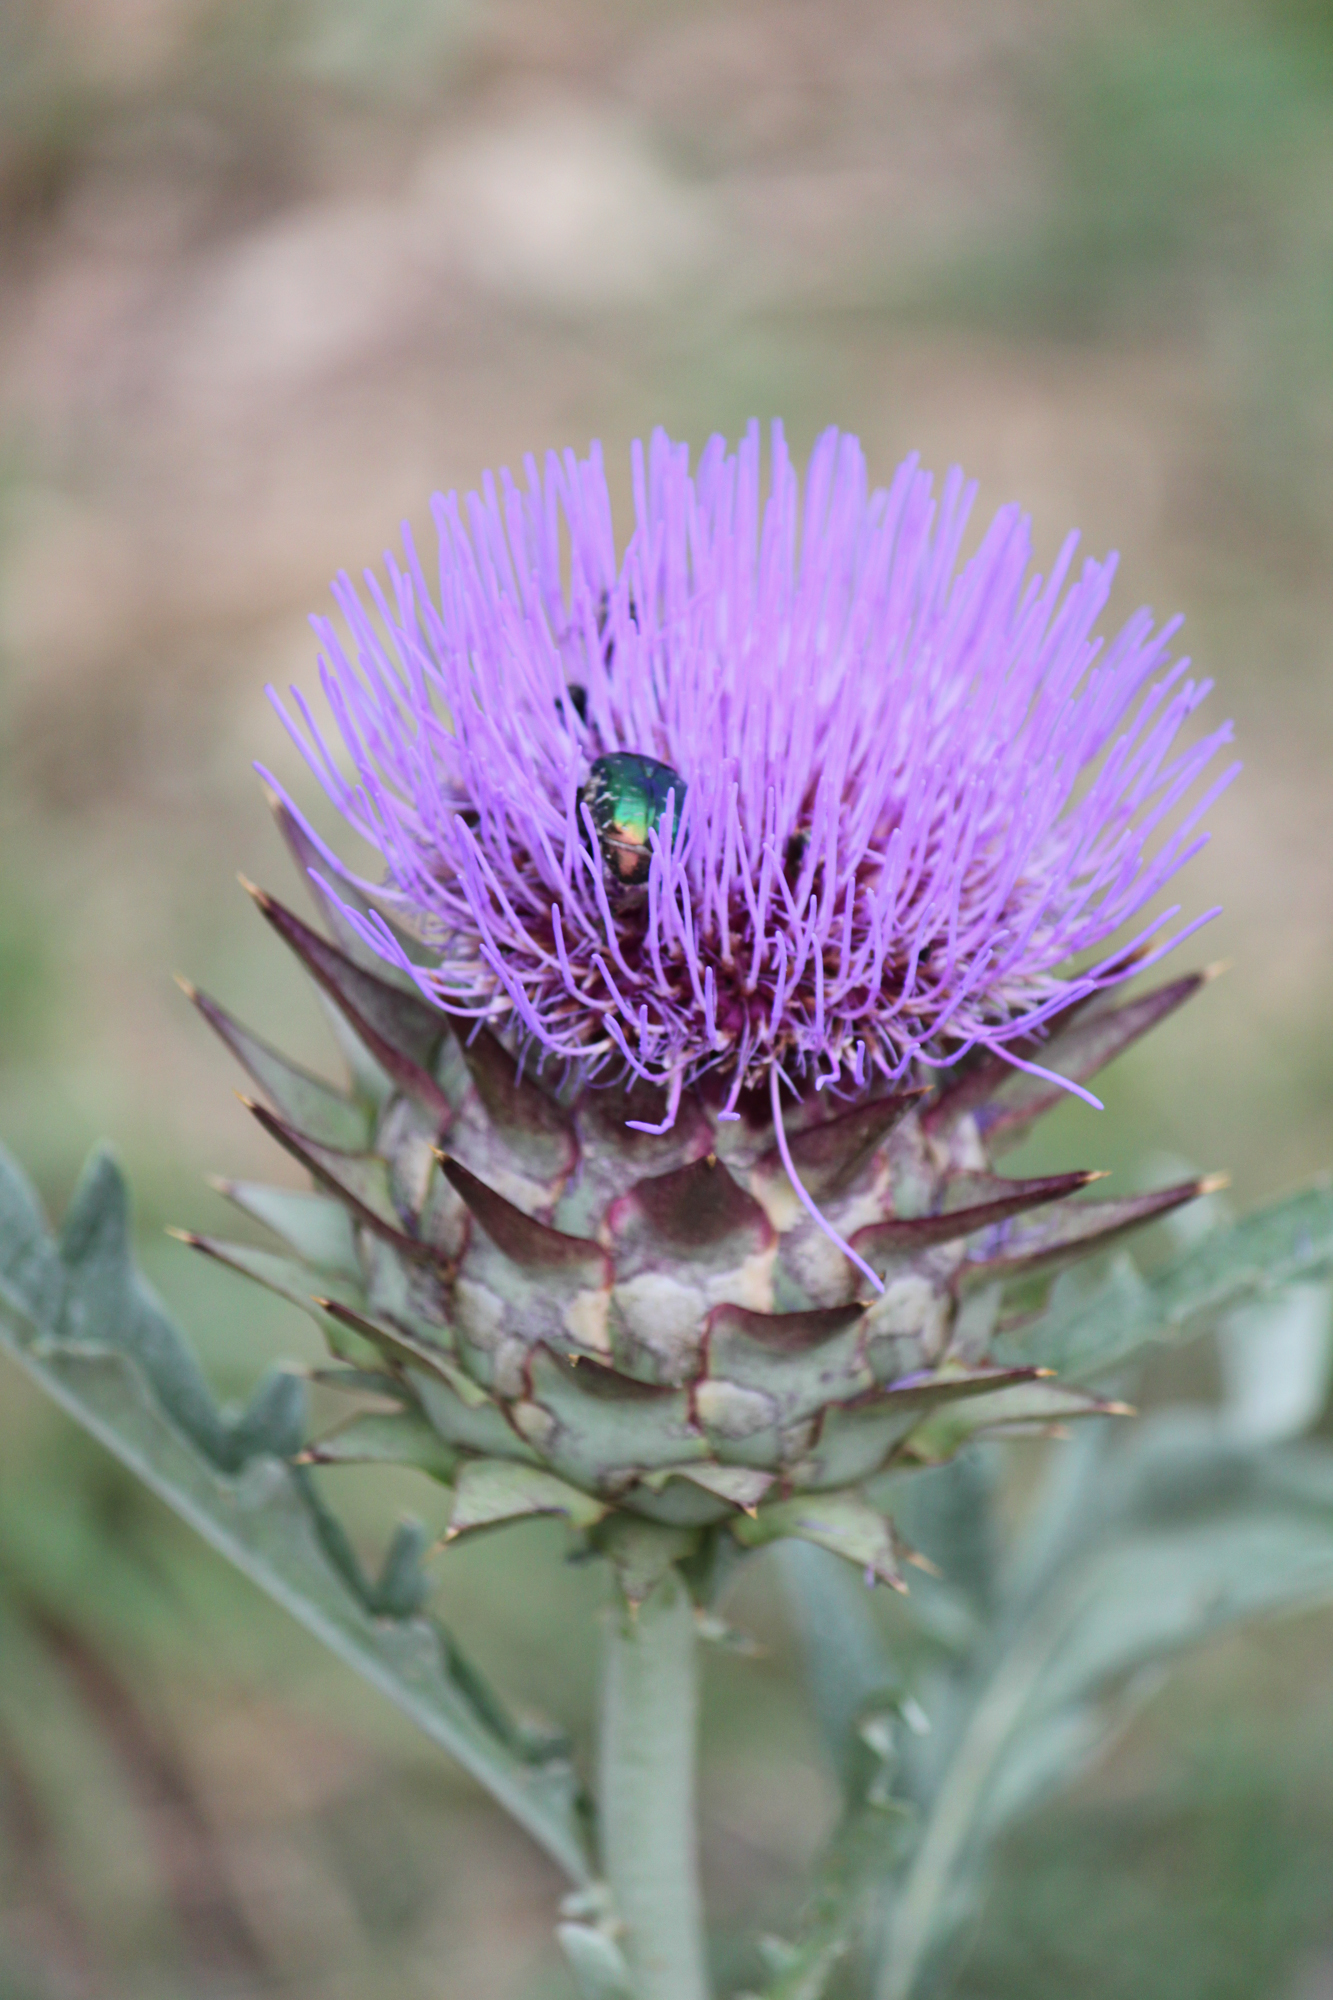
(743, 895)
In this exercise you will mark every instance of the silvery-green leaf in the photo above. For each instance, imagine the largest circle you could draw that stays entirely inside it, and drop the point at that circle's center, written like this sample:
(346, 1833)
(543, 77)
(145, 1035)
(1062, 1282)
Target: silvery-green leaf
(1046, 1756)
(1149, 1595)
(32, 1278)
(107, 1304)
(862, 1850)
(402, 1585)
(1176, 1536)
(845, 1655)
(1277, 1355)
(111, 1379)
(272, 1423)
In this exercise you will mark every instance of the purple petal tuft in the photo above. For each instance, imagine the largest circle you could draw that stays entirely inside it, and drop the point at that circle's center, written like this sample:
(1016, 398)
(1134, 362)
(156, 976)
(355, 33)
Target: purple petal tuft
(913, 792)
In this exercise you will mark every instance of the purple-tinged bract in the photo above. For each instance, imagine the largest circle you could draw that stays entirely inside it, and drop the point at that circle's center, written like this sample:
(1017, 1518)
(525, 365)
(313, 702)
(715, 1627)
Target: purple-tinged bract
(914, 794)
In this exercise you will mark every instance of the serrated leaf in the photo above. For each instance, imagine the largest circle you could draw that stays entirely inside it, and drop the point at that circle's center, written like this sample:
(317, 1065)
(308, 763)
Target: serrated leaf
(107, 1304)
(260, 1521)
(272, 1422)
(855, 1860)
(1177, 1535)
(32, 1278)
(503, 1489)
(402, 1585)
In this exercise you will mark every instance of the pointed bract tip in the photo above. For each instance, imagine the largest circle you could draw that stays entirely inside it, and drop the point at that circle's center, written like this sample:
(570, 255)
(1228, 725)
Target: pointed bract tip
(325, 1305)
(307, 1457)
(898, 1583)
(1097, 1174)
(274, 803)
(261, 896)
(1043, 1374)
(184, 1236)
(1214, 1183)
(918, 1561)
(1119, 1409)
(1215, 970)
(187, 986)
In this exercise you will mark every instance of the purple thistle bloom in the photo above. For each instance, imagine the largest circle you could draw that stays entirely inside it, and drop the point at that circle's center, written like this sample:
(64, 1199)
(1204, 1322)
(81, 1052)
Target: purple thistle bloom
(907, 795)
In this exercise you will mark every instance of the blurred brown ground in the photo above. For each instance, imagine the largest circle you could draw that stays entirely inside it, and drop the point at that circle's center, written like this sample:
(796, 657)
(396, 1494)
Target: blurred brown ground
(269, 275)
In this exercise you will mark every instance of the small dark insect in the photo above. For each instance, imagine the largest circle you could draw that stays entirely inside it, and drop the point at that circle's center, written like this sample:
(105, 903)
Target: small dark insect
(603, 619)
(577, 697)
(626, 794)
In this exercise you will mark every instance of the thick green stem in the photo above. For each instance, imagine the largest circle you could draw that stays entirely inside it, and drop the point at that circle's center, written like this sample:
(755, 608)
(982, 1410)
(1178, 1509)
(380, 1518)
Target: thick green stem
(650, 1705)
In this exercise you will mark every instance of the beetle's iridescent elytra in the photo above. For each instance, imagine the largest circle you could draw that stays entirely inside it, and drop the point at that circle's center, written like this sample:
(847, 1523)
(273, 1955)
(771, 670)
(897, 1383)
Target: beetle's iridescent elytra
(626, 795)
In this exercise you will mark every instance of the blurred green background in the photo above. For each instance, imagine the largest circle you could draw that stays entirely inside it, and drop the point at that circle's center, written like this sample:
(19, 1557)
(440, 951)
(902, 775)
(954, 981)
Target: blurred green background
(270, 272)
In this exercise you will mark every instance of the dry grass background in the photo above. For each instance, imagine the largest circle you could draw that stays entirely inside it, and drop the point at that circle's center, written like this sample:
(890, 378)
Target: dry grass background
(269, 274)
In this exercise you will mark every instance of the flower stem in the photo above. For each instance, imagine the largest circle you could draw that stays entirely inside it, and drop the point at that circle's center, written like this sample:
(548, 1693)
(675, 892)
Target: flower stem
(650, 1708)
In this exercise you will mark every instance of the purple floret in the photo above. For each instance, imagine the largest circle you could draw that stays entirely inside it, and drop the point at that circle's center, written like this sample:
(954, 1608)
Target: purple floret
(914, 792)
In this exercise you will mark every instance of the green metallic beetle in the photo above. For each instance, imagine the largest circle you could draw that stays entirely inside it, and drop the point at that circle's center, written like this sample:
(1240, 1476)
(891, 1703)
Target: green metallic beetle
(626, 795)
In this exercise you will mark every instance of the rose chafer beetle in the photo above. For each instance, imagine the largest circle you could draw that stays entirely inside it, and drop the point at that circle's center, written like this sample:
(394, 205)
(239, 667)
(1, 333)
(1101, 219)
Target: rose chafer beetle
(626, 796)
